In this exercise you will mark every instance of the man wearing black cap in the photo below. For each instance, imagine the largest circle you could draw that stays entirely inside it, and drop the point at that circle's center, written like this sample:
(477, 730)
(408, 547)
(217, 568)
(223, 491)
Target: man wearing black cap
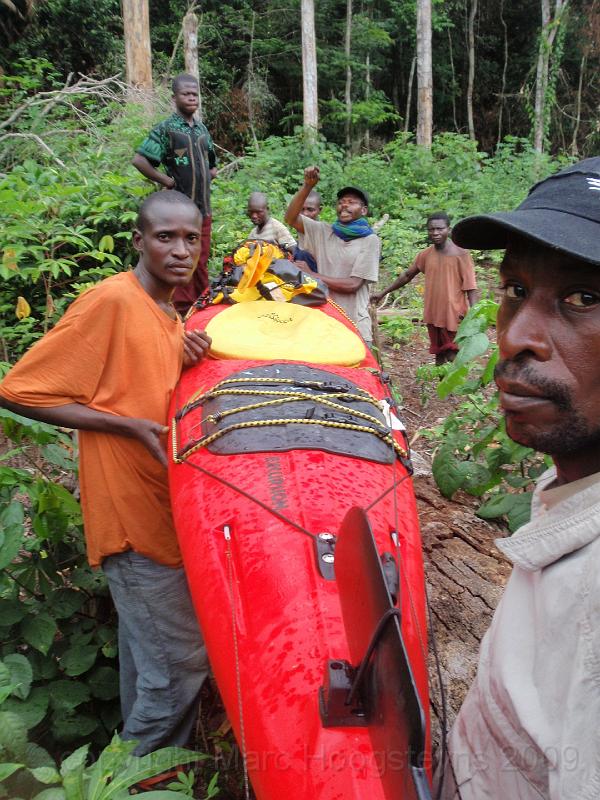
(347, 252)
(528, 728)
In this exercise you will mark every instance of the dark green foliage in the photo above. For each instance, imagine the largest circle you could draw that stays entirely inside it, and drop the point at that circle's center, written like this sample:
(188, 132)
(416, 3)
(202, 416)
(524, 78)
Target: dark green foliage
(86, 36)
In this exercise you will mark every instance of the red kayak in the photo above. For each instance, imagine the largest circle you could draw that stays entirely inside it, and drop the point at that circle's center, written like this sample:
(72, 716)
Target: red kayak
(292, 498)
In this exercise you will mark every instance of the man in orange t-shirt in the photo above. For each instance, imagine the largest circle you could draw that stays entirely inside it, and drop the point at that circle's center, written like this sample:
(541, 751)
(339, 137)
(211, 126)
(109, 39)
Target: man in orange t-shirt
(450, 286)
(109, 368)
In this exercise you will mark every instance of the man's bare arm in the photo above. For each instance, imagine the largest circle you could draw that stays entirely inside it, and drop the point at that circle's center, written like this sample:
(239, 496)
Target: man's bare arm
(75, 415)
(472, 296)
(342, 285)
(292, 215)
(401, 280)
(142, 164)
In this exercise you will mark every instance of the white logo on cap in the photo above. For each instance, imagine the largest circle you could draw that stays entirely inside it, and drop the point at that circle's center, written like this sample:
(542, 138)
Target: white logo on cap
(594, 184)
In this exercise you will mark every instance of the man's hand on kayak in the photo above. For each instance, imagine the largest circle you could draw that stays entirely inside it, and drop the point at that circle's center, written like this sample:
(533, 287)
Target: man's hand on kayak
(195, 347)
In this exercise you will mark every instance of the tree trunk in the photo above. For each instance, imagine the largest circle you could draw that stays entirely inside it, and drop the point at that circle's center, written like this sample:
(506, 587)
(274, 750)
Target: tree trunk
(250, 85)
(309, 69)
(348, 90)
(454, 84)
(368, 97)
(424, 74)
(574, 150)
(190, 51)
(411, 79)
(471, 81)
(504, 69)
(138, 55)
(547, 36)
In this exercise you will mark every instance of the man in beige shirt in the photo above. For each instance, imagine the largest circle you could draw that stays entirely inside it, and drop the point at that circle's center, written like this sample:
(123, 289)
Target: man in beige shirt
(347, 252)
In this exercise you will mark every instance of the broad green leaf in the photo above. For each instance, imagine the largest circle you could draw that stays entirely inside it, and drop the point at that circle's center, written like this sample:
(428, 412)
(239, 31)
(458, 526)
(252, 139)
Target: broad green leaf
(495, 457)
(51, 794)
(21, 674)
(452, 380)
(488, 373)
(75, 762)
(35, 756)
(475, 477)
(106, 244)
(104, 683)
(67, 695)
(46, 774)
(65, 602)
(520, 513)
(39, 631)
(446, 472)
(68, 727)
(13, 732)
(7, 769)
(12, 611)
(471, 349)
(5, 677)
(32, 710)
(77, 660)
(496, 506)
(12, 528)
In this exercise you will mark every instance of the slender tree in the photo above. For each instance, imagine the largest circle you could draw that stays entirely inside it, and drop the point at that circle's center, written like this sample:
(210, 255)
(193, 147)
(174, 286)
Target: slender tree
(138, 57)
(550, 25)
(190, 51)
(310, 93)
(348, 87)
(471, 82)
(424, 74)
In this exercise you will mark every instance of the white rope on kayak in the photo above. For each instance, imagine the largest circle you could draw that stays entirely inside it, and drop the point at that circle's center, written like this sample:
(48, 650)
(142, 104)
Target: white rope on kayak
(238, 677)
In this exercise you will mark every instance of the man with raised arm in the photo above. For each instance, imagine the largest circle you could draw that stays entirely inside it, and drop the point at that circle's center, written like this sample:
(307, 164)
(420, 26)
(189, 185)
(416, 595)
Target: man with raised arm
(108, 368)
(528, 728)
(347, 252)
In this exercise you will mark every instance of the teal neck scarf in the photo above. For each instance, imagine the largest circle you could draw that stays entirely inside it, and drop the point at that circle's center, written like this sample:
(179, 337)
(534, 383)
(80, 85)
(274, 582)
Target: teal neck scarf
(356, 229)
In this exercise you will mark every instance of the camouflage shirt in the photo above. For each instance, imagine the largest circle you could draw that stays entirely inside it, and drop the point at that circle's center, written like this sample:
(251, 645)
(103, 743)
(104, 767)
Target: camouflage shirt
(187, 153)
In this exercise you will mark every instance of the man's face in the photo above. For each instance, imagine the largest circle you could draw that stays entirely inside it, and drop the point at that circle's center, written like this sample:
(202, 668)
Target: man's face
(311, 207)
(438, 231)
(549, 340)
(186, 98)
(258, 213)
(170, 244)
(350, 207)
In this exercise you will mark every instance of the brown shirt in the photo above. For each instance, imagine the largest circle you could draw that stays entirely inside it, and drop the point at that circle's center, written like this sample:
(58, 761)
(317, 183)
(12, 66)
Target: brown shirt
(447, 278)
(116, 351)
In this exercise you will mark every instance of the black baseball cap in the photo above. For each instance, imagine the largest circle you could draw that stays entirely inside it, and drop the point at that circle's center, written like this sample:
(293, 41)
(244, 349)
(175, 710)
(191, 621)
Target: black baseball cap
(562, 211)
(358, 192)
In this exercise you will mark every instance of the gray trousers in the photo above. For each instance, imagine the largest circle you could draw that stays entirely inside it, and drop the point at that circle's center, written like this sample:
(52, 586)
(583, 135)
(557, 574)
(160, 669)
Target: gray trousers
(162, 658)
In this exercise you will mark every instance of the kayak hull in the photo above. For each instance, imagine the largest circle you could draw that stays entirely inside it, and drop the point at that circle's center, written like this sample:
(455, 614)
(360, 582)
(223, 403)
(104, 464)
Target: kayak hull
(248, 525)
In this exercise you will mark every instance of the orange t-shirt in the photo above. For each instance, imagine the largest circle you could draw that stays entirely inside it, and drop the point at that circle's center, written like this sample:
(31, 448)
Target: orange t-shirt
(116, 351)
(447, 278)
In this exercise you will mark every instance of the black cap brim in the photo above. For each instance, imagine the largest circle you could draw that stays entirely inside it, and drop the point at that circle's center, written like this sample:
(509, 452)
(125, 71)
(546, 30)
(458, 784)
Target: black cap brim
(573, 235)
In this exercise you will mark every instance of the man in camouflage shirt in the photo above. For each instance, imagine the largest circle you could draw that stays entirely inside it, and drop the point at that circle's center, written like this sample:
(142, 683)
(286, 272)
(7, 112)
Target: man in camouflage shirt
(185, 149)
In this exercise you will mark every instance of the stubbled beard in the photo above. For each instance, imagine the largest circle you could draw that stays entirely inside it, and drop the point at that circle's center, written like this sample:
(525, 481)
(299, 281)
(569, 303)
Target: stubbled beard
(570, 434)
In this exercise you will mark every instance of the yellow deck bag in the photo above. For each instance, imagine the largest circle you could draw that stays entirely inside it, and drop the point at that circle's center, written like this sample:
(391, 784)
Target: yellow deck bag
(266, 330)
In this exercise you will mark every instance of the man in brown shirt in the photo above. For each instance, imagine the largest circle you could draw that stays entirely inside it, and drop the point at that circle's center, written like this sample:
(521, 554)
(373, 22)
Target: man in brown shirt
(450, 286)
